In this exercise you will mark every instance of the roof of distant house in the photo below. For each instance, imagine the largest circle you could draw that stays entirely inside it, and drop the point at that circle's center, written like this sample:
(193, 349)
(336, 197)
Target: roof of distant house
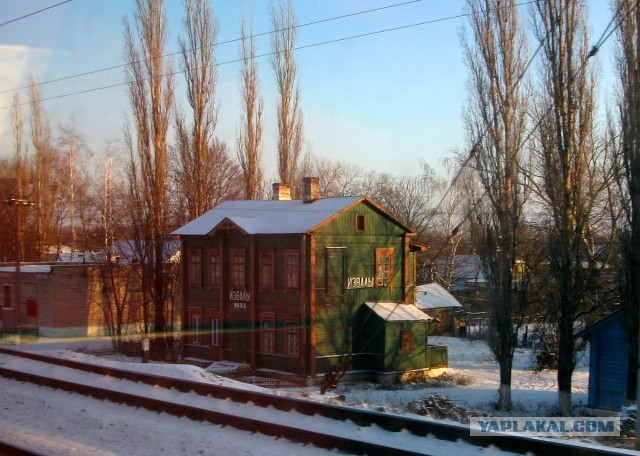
(272, 216)
(434, 296)
(29, 269)
(393, 311)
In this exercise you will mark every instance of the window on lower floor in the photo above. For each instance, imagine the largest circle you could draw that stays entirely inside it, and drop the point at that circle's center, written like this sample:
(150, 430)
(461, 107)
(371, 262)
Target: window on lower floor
(195, 326)
(267, 334)
(214, 330)
(32, 308)
(7, 296)
(406, 340)
(292, 329)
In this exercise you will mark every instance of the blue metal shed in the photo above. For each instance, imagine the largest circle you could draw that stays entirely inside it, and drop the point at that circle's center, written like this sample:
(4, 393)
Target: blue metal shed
(608, 362)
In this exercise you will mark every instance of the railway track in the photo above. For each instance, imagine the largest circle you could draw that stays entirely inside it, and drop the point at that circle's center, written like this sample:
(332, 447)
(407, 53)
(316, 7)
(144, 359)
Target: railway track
(393, 424)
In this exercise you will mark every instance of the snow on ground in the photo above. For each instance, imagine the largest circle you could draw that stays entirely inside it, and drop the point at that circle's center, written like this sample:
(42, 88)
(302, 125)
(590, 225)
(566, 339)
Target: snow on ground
(473, 377)
(35, 414)
(474, 380)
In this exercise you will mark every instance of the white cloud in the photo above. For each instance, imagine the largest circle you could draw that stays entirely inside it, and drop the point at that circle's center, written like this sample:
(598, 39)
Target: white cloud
(14, 62)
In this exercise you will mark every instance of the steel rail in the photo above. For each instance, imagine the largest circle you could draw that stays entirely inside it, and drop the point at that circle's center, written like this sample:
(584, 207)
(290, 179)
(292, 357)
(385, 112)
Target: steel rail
(392, 423)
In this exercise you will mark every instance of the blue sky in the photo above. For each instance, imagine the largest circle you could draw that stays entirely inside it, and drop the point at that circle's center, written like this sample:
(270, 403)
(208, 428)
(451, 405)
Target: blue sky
(384, 102)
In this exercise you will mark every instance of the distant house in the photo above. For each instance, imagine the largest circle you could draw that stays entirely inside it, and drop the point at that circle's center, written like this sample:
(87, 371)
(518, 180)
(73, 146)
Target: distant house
(608, 362)
(278, 284)
(438, 303)
(56, 300)
(87, 296)
(464, 272)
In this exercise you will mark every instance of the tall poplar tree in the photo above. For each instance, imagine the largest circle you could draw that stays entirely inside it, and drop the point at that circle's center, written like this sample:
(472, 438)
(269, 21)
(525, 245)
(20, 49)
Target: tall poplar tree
(151, 95)
(250, 134)
(565, 150)
(43, 190)
(290, 122)
(495, 123)
(199, 155)
(628, 172)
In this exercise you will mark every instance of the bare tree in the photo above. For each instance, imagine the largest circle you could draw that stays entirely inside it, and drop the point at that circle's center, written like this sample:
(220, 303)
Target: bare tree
(195, 148)
(627, 159)
(448, 225)
(409, 198)
(284, 24)
(151, 95)
(44, 163)
(496, 125)
(72, 145)
(17, 127)
(565, 148)
(335, 178)
(250, 135)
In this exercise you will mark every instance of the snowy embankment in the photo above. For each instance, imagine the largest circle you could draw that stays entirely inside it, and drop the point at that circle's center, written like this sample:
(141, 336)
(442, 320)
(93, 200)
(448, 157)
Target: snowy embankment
(473, 379)
(33, 413)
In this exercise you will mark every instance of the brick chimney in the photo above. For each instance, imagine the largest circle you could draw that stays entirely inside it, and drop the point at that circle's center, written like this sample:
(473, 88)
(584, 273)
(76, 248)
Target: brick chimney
(281, 192)
(310, 191)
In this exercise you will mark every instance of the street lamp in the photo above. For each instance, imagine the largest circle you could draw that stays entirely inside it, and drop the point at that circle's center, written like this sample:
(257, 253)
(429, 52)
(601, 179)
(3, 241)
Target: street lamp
(18, 203)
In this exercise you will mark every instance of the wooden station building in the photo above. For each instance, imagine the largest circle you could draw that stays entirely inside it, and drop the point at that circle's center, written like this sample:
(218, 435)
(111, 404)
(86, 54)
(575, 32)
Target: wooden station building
(281, 285)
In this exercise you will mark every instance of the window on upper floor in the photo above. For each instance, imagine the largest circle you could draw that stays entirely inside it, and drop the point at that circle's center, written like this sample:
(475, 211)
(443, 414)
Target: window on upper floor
(195, 268)
(292, 269)
(238, 269)
(384, 266)
(360, 223)
(266, 273)
(335, 271)
(215, 268)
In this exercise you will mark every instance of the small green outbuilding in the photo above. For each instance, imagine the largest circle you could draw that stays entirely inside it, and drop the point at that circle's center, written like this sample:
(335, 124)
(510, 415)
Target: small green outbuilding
(392, 340)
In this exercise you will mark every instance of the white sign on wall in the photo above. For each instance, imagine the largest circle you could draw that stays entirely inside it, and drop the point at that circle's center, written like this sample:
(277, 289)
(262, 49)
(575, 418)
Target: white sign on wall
(359, 282)
(239, 298)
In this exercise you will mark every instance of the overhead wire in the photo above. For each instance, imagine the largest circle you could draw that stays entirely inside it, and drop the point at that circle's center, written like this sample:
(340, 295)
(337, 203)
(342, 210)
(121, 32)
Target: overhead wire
(603, 38)
(594, 50)
(33, 13)
(234, 40)
(268, 54)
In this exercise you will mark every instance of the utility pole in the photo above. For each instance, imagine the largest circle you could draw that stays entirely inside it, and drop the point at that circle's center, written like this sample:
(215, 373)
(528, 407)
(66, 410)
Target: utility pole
(18, 203)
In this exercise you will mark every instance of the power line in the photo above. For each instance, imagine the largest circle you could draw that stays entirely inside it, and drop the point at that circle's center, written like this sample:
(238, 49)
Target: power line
(606, 34)
(34, 13)
(234, 40)
(268, 54)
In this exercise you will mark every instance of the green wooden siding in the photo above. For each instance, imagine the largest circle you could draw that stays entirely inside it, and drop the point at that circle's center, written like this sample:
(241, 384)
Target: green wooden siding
(376, 223)
(437, 356)
(342, 252)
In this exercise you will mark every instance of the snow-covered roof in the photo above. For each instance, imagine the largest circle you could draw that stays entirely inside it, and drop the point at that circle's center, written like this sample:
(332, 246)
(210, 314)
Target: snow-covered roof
(269, 217)
(393, 311)
(29, 269)
(128, 251)
(434, 296)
